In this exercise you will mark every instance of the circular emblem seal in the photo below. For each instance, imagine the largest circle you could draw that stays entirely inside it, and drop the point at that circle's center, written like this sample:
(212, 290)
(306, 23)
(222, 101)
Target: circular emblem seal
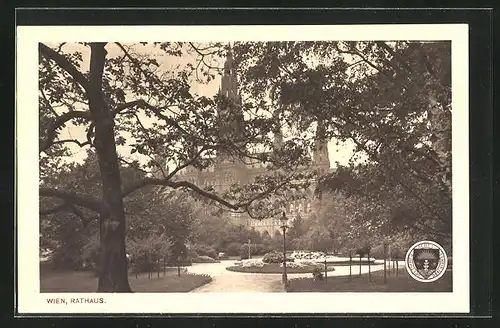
(426, 261)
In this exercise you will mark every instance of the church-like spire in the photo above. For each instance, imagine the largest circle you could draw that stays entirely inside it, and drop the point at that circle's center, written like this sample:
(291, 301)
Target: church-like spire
(229, 82)
(229, 85)
(320, 154)
(231, 114)
(278, 134)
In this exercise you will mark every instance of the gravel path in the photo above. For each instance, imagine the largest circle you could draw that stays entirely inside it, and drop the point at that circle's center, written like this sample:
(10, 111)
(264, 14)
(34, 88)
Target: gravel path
(230, 281)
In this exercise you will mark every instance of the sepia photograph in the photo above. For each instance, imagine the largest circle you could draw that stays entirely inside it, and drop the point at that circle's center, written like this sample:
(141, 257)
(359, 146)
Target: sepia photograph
(245, 166)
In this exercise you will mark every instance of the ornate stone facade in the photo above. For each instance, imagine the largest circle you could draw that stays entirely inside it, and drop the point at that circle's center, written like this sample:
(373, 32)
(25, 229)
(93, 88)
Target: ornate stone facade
(226, 172)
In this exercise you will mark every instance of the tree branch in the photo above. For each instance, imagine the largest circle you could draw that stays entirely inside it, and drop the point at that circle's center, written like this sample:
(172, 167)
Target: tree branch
(186, 164)
(126, 105)
(55, 209)
(364, 59)
(178, 184)
(203, 55)
(175, 185)
(400, 59)
(132, 165)
(135, 61)
(70, 208)
(65, 64)
(74, 198)
(60, 46)
(59, 122)
(79, 143)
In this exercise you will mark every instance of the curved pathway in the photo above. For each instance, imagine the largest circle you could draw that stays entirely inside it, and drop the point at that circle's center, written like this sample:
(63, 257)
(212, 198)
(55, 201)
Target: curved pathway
(229, 281)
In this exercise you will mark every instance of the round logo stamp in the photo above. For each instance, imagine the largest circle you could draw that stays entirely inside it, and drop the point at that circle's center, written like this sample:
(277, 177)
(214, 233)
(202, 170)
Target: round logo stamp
(426, 261)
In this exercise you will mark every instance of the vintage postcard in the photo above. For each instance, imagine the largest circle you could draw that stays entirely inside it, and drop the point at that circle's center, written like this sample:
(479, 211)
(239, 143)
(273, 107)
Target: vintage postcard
(242, 169)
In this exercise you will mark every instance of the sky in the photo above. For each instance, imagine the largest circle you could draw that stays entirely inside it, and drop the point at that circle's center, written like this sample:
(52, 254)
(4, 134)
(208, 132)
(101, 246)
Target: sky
(338, 153)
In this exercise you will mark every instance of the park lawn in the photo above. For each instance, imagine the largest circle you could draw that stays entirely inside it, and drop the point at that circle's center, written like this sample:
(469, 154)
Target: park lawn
(275, 268)
(86, 282)
(395, 283)
(170, 284)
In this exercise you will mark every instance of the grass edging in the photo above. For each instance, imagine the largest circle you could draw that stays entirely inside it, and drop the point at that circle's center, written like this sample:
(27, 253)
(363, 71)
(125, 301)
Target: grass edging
(86, 282)
(395, 283)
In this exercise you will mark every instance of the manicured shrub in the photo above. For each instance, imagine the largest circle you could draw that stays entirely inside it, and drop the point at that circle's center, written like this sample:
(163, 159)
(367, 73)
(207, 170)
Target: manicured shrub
(273, 257)
(205, 250)
(276, 257)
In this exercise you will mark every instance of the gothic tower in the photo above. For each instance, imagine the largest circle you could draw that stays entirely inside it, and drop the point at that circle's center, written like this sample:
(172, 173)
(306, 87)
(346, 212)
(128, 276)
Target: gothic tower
(278, 134)
(230, 113)
(228, 170)
(321, 160)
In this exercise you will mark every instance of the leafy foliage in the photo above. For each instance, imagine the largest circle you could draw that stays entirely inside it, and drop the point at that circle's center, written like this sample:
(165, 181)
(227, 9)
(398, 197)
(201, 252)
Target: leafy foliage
(391, 100)
(148, 253)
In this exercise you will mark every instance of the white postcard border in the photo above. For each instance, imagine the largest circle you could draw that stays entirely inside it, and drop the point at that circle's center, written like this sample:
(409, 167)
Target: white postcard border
(29, 298)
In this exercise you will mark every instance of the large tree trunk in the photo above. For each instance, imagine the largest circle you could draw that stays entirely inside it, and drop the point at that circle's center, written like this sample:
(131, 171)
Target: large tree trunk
(113, 276)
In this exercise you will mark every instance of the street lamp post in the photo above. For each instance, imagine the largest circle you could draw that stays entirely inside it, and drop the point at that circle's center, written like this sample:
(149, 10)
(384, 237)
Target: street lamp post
(284, 226)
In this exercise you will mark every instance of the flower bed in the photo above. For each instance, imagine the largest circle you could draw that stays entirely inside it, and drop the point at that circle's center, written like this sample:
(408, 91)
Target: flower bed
(258, 266)
(252, 263)
(319, 257)
(308, 255)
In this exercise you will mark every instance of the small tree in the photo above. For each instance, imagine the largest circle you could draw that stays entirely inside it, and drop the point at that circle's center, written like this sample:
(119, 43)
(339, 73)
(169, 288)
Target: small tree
(147, 253)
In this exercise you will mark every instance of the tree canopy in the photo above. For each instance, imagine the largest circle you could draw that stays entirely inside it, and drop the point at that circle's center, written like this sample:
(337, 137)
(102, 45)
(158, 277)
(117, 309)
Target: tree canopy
(391, 100)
